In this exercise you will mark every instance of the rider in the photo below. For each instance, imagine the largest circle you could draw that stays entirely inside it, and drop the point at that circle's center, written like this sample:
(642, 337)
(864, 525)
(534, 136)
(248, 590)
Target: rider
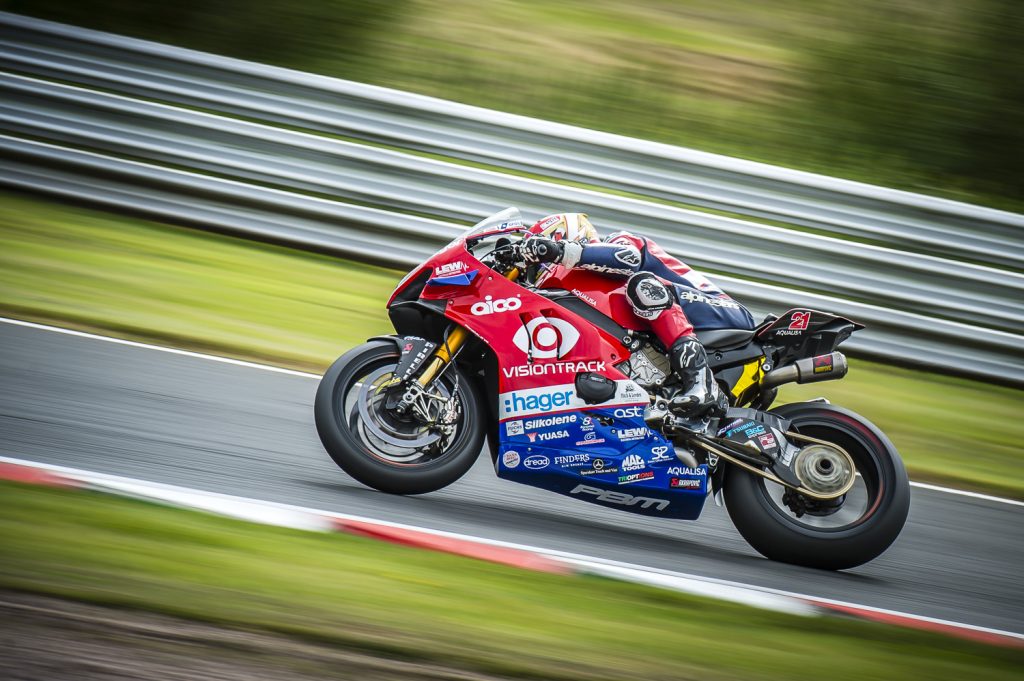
(657, 287)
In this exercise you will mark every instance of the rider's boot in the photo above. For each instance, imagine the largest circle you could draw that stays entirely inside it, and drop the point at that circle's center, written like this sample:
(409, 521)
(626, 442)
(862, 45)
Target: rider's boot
(701, 396)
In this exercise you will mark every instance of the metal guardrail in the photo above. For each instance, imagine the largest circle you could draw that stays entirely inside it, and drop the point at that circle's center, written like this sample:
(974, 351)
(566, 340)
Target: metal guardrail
(273, 174)
(408, 121)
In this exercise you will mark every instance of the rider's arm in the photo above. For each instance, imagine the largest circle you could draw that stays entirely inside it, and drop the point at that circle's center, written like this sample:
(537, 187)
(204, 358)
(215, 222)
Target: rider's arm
(616, 260)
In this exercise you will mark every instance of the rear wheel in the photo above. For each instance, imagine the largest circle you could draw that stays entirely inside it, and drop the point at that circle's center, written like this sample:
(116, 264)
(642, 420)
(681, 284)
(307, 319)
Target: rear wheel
(372, 442)
(858, 527)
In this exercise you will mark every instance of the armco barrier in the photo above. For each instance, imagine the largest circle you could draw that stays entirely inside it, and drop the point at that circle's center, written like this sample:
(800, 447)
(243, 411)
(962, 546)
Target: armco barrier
(923, 304)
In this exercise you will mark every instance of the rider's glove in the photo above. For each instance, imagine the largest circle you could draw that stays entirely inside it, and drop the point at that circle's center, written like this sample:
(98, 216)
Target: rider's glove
(540, 249)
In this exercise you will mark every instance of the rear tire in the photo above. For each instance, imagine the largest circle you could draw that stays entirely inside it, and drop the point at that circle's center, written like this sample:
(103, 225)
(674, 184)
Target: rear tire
(779, 535)
(375, 463)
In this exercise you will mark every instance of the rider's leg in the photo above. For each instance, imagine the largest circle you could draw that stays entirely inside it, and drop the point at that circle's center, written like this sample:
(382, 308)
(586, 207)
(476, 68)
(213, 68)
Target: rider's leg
(653, 301)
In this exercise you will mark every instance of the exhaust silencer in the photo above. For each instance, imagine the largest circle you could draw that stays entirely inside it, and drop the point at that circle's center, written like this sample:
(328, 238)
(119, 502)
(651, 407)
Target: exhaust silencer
(808, 370)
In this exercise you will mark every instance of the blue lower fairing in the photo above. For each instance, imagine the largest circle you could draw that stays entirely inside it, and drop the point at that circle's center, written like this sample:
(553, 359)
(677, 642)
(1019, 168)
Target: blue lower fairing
(606, 456)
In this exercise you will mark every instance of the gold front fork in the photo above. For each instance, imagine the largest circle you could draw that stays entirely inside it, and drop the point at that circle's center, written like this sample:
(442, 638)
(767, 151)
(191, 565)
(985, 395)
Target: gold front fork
(456, 338)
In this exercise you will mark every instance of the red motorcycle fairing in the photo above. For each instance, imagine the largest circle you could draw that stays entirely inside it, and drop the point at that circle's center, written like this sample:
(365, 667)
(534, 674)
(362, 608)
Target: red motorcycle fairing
(599, 291)
(548, 436)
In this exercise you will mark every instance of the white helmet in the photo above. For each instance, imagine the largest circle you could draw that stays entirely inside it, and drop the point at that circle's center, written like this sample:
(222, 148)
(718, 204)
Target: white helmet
(565, 227)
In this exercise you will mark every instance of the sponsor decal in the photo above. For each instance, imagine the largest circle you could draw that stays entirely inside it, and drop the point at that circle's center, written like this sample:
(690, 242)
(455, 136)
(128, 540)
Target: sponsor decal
(449, 268)
(572, 460)
(546, 368)
(536, 462)
(660, 454)
(620, 498)
(687, 296)
(767, 440)
(510, 459)
(536, 401)
(636, 477)
(489, 305)
(628, 256)
(551, 221)
(594, 267)
(823, 365)
(546, 337)
(587, 423)
(522, 402)
(514, 428)
(627, 434)
(510, 224)
(590, 439)
(686, 470)
(749, 428)
(584, 297)
(628, 412)
(534, 424)
(799, 321)
(633, 463)
(631, 391)
(544, 437)
(684, 483)
(729, 427)
(599, 466)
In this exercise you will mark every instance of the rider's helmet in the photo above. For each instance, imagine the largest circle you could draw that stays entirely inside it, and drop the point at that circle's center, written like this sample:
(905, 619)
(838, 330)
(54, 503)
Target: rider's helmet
(565, 227)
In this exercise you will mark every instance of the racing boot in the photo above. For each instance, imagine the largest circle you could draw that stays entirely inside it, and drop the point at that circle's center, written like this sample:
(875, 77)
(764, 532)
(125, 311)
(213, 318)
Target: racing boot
(701, 395)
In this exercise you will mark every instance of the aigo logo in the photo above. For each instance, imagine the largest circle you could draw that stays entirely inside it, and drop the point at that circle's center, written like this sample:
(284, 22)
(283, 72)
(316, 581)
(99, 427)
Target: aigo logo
(546, 337)
(488, 306)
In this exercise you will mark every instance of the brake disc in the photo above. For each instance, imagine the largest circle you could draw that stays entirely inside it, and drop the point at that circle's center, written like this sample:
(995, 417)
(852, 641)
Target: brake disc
(381, 424)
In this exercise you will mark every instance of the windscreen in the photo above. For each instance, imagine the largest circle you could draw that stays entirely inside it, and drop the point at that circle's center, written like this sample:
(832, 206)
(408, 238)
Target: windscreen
(508, 220)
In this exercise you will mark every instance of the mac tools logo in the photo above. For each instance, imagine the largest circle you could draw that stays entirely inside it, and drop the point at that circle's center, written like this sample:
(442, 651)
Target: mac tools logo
(546, 337)
(633, 463)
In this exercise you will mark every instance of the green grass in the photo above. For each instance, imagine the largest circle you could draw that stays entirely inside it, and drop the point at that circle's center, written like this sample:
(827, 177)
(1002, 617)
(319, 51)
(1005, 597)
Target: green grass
(405, 603)
(194, 289)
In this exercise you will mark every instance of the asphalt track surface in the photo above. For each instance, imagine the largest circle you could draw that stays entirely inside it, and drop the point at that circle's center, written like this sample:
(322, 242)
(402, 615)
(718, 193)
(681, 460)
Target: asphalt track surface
(189, 421)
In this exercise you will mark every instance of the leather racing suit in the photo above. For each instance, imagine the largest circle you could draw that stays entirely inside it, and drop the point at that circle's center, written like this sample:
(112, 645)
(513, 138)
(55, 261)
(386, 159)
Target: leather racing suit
(672, 298)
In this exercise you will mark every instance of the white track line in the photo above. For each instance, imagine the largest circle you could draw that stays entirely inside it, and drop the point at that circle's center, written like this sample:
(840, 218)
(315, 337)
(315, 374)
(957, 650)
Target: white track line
(160, 348)
(304, 374)
(243, 507)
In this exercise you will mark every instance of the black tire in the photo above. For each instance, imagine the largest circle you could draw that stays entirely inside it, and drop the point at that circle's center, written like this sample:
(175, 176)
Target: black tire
(355, 453)
(779, 535)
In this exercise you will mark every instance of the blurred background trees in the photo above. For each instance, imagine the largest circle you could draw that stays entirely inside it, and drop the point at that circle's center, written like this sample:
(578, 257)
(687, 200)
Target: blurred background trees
(924, 95)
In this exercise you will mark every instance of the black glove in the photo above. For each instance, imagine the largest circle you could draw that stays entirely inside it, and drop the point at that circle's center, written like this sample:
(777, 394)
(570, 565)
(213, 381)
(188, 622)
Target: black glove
(539, 249)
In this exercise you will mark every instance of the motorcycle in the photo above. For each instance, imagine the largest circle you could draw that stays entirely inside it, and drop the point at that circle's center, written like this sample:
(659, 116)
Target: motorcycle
(572, 395)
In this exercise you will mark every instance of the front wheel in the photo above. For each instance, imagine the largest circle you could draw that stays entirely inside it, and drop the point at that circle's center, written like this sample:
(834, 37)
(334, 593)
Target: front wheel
(400, 454)
(853, 532)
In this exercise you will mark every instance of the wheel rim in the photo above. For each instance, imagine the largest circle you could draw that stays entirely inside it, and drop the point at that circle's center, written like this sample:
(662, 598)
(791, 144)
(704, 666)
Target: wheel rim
(382, 435)
(857, 505)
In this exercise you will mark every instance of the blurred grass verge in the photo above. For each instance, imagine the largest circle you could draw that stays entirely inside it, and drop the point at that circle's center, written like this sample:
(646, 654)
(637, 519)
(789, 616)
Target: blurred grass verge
(144, 280)
(406, 604)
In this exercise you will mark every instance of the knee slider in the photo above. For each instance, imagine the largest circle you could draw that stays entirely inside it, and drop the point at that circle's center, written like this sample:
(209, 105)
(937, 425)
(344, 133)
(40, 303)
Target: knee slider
(648, 295)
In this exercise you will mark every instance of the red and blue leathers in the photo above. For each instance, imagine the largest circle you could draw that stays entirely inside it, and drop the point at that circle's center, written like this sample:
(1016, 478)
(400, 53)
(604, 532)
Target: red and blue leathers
(701, 304)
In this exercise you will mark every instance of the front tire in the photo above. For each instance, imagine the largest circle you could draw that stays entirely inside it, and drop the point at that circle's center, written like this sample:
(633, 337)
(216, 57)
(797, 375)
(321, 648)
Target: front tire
(383, 452)
(874, 512)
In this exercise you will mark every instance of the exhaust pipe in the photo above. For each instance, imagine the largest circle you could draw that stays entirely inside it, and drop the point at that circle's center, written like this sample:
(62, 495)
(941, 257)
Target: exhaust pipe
(808, 370)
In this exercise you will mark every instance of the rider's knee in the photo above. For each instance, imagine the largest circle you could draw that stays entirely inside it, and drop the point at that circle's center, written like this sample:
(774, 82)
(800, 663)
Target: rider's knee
(648, 295)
